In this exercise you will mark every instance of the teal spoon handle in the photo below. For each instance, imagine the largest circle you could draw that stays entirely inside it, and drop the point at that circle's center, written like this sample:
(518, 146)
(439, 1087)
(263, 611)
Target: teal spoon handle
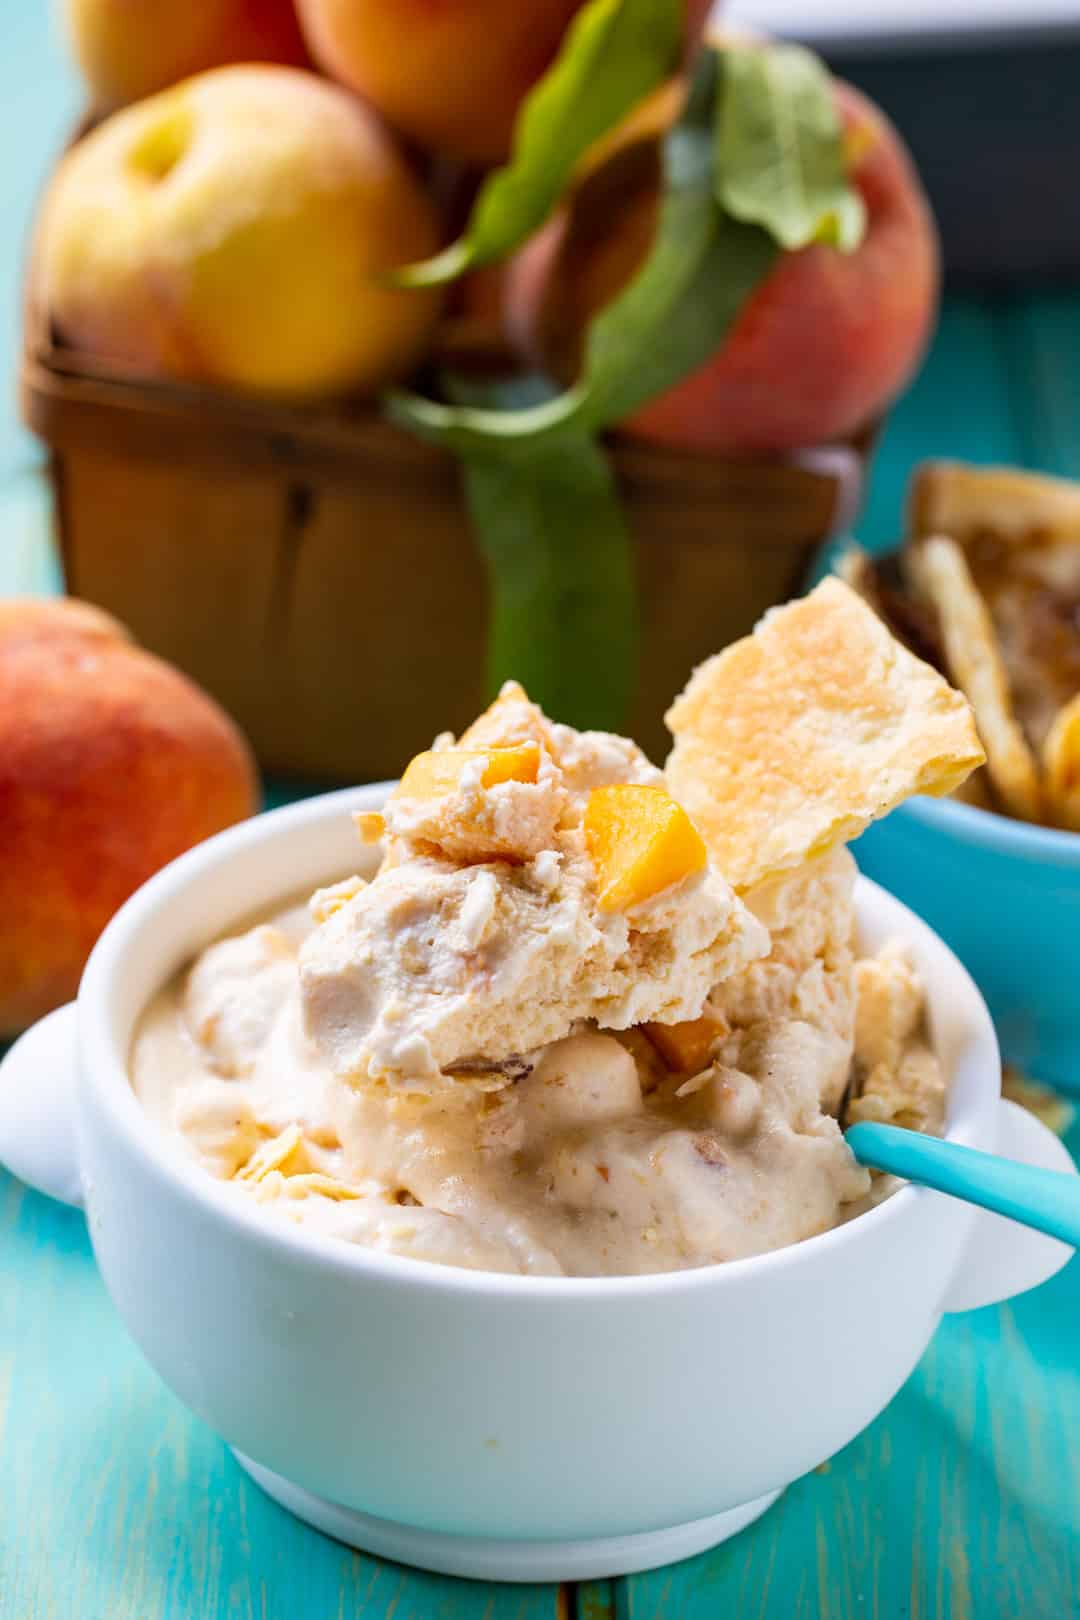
(1048, 1200)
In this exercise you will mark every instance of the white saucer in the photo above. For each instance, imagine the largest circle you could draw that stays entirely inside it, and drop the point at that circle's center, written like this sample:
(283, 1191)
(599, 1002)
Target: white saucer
(487, 1560)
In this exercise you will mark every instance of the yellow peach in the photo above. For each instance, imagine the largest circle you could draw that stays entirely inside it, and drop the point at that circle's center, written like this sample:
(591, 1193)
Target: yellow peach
(236, 230)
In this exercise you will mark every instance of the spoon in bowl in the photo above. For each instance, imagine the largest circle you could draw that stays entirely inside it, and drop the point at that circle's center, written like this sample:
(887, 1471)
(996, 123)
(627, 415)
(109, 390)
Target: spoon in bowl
(1048, 1200)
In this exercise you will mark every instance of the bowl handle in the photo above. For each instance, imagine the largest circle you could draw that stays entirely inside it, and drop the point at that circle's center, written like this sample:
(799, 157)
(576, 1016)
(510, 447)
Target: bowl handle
(1003, 1258)
(38, 1142)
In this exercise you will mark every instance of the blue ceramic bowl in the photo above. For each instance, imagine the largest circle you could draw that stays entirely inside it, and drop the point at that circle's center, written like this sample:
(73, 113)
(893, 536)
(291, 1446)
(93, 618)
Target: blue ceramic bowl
(1006, 897)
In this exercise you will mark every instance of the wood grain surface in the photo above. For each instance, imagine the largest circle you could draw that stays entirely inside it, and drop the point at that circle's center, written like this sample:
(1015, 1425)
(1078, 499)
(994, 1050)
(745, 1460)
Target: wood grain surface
(962, 1502)
(959, 1503)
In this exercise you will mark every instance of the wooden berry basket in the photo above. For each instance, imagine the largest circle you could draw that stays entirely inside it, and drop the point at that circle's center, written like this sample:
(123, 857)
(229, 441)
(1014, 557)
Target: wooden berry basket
(314, 569)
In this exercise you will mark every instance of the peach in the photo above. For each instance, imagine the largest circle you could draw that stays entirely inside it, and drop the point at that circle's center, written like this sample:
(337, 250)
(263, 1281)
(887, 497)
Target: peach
(111, 764)
(450, 74)
(438, 772)
(127, 49)
(686, 1048)
(820, 348)
(640, 841)
(235, 231)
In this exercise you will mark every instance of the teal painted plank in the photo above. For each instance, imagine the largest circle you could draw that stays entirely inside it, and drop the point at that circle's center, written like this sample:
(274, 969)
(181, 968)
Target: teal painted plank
(39, 101)
(29, 565)
(116, 1505)
(1042, 344)
(961, 405)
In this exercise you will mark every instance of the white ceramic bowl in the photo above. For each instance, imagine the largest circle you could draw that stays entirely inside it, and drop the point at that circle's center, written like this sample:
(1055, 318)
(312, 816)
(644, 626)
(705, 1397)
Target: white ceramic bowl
(507, 1427)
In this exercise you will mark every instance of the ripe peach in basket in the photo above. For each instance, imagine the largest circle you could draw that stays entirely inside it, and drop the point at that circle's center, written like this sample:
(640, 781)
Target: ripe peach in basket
(449, 73)
(821, 347)
(130, 48)
(111, 764)
(236, 230)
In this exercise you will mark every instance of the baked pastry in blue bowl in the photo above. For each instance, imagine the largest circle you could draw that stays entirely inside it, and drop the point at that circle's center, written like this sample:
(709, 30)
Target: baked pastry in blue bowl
(987, 587)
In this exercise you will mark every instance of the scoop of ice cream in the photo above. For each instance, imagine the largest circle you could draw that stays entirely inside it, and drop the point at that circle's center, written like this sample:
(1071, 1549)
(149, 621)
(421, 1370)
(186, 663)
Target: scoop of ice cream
(218, 1121)
(600, 1159)
(548, 1036)
(477, 804)
(898, 1079)
(535, 878)
(729, 1164)
(808, 974)
(437, 971)
(587, 759)
(506, 786)
(233, 1026)
(592, 759)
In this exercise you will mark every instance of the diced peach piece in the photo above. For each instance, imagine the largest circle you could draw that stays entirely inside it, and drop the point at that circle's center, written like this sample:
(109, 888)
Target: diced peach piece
(438, 772)
(433, 774)
(641, 842)
(518, 764)
(686, 1048)
(370, 826)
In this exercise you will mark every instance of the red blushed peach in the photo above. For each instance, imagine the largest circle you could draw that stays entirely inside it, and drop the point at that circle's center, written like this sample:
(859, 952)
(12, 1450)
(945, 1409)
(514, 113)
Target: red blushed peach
(450, 74)
(111, 764)
(127, 49)
(820, 348)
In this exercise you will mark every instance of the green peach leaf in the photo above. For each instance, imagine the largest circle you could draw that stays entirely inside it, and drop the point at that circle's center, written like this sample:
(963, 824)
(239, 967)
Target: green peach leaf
(563, 598)
(702, 267)
(779, 151)
(614, 54)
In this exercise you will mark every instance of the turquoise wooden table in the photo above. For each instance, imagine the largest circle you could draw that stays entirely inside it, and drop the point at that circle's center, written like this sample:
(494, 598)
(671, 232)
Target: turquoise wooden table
(961, 1501)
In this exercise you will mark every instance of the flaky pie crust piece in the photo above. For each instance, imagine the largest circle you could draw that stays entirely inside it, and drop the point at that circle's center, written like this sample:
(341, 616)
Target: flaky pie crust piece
(1061, 763)
(939, 571)
(794, 739)
(949, 497)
